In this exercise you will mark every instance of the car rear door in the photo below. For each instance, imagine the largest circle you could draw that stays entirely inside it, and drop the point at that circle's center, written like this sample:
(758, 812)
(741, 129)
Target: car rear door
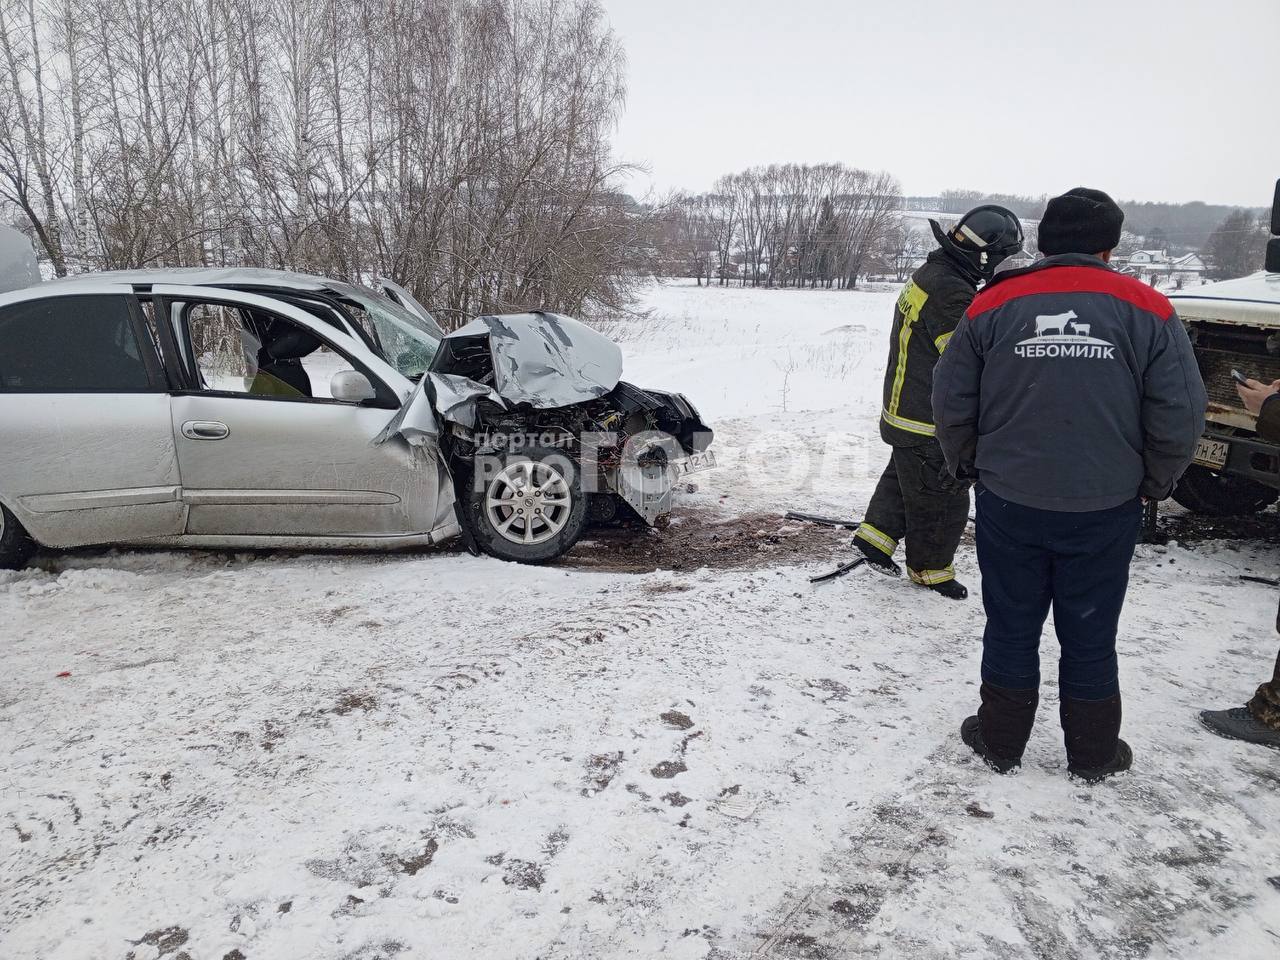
(84, 417)
(276, 455)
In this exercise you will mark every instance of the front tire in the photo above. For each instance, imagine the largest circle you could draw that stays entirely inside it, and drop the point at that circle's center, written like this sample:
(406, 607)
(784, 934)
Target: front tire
(527, 506)
(16, 545)
(1210, 494)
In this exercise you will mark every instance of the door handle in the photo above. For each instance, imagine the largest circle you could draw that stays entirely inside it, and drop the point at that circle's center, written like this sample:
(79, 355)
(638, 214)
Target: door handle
(205, 430)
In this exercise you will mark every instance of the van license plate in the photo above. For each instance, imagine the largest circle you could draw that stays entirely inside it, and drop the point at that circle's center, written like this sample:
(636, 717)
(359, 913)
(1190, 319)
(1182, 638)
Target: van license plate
(1211, 453)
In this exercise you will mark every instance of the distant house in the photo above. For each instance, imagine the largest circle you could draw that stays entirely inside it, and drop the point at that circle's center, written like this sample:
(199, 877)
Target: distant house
(1159, 266)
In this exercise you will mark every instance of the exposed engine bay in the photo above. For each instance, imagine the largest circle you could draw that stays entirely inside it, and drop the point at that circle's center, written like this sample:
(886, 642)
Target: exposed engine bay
(627, 442)
(539, 381)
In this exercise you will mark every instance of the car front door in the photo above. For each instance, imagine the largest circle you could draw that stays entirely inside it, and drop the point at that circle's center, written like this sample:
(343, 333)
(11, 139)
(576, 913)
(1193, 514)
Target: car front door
(263, 448)
(89, 454)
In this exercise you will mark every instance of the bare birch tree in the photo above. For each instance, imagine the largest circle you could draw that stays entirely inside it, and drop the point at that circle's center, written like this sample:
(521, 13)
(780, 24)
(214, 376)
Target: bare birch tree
(458, 146)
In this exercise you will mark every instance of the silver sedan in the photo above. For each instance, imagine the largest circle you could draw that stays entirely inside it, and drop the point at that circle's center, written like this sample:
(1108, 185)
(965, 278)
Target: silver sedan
(255, 408)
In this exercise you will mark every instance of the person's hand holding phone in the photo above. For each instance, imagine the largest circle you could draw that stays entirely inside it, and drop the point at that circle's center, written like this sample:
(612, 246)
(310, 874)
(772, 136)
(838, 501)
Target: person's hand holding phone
(1255, 394)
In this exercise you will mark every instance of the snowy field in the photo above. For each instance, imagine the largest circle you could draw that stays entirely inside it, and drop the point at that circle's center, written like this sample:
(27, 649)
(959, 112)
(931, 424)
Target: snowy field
(267, 757)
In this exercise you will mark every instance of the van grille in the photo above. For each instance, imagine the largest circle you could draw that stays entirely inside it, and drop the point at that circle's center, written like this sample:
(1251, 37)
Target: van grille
(1216, 367)
(1220, 348)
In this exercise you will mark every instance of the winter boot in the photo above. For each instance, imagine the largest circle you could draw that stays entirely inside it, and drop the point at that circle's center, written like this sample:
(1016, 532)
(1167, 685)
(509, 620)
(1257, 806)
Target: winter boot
(971, 734)
(877, 559)
(941, 581)
(1002, 726)
(1091, 731)
(951, 589)
(1239, 724)
(1121, 761)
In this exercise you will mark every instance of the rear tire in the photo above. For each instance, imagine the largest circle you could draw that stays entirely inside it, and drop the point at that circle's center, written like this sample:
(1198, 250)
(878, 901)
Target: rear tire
(1210, 494)
(528, 506)
(16, 546)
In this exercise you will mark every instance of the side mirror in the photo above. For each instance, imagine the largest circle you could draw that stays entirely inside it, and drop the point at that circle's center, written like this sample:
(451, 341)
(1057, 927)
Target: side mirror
(351, 386)
(1275, 212)
(1273, 255)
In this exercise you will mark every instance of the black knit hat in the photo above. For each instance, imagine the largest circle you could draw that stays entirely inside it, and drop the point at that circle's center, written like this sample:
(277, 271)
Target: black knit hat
(1080, 221)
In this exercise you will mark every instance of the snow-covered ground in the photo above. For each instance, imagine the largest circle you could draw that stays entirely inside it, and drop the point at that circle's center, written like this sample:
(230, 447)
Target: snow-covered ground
(440, 756)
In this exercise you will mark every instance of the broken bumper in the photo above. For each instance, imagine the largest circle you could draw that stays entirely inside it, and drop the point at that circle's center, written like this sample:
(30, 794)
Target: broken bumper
(648, 486)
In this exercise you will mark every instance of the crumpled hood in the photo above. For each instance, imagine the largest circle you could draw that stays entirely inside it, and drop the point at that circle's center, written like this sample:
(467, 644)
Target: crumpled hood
(542, 359)
(455, 399)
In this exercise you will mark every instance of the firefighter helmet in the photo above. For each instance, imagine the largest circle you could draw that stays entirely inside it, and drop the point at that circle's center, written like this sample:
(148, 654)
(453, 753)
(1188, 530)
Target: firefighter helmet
(985, 237)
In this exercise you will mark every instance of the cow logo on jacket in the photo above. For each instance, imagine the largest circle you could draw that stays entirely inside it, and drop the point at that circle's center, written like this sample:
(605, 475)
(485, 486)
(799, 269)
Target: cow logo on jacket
(1052, 340)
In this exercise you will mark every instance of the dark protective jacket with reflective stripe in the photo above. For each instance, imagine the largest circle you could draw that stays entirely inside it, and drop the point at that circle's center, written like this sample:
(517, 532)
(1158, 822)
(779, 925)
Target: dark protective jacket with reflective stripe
(928, 309)
(1069, 387)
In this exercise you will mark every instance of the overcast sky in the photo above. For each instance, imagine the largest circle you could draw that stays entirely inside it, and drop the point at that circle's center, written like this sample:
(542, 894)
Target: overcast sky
(1174, 100)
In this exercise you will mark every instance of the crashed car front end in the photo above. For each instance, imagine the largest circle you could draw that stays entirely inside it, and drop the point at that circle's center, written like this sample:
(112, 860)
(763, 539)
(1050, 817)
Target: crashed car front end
(502, 384)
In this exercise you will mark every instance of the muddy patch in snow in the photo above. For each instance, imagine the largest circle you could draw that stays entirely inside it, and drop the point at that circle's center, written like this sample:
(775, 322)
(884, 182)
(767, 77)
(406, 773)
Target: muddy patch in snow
(694, 539)
(601, 769)
(164, 941)
(1188, 528)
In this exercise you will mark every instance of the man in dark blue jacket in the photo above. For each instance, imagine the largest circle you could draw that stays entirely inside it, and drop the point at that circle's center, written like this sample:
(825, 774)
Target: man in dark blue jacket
(1070, 393)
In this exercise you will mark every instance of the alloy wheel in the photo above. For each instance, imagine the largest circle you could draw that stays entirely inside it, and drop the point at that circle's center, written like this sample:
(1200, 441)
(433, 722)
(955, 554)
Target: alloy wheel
(528, 502)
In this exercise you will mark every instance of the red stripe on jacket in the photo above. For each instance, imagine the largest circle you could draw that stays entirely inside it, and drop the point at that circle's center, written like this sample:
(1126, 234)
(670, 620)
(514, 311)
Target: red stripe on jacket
(1073, 280)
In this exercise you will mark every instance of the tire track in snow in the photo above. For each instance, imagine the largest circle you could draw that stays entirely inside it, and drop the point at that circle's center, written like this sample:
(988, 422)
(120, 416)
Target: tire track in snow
(899, 857)
(881, 859)
(556, 635)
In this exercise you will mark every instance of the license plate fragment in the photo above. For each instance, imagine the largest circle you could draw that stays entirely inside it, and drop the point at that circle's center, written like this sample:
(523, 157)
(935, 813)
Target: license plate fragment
(695, 463)
(1211, 453)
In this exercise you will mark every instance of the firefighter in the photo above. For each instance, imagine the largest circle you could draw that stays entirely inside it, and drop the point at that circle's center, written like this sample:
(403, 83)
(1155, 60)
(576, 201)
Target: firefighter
(917, 499)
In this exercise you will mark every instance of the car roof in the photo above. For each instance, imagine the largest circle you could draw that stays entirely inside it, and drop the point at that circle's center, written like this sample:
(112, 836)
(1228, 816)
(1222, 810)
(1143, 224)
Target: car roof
(205, 277)
(1258, 287)
(1251, 301)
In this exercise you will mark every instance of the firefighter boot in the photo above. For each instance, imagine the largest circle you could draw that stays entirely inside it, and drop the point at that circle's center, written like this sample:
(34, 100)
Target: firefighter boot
(942, 581)
(877, 559)
(951, 589)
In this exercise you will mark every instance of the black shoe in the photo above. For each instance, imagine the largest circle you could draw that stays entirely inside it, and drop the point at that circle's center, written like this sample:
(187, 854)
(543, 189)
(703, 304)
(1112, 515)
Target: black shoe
(951, 589)
(877, 559)
(1121, 762)
(1239, 724)
(971, 734)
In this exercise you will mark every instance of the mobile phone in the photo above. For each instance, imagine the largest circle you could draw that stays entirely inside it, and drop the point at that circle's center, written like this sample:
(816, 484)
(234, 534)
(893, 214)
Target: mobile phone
(1239, 378)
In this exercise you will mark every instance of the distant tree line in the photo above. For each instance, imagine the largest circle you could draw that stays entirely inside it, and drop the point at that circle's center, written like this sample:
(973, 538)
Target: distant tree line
(957, 202)
(1176, 227)
(460, 147)
(783, 225)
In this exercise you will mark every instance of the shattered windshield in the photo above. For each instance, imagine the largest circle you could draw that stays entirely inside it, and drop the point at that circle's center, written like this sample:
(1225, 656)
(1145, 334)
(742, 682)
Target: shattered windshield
(404, 340)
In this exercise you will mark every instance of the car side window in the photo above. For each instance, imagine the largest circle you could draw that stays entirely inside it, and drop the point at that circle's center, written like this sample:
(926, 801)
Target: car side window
(75, 344)
(257, 353)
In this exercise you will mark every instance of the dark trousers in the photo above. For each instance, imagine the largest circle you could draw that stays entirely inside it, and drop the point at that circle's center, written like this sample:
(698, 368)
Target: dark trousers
(1265, 705)
(1076, 563)
(919, 501)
